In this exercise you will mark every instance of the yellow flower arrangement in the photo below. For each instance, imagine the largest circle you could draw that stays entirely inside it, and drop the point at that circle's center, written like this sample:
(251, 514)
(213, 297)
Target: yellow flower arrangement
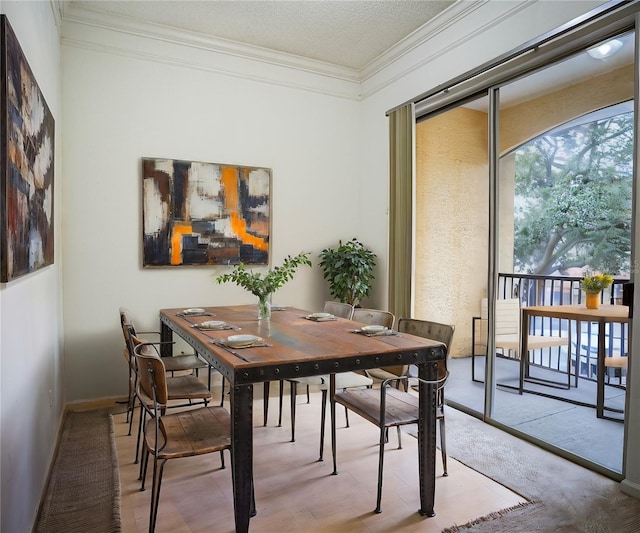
(595, 282)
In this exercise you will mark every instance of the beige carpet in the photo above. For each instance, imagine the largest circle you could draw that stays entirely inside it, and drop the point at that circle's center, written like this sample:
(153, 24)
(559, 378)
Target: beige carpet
(83, 494)
(565, 496)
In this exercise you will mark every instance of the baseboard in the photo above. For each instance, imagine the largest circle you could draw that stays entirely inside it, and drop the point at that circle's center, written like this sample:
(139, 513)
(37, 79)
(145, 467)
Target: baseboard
(631, 488)
(88, 405)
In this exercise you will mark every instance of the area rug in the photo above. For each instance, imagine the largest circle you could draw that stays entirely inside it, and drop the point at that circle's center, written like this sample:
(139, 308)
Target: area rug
(83, 493)
(565, 497)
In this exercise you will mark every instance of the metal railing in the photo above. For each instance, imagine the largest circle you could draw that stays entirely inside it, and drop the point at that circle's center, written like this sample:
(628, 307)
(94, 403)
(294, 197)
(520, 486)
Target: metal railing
(565, 290)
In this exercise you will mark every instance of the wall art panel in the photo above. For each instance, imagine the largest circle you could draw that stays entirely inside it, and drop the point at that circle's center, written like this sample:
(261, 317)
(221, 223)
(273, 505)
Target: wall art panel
(27, 151)
(198, 213)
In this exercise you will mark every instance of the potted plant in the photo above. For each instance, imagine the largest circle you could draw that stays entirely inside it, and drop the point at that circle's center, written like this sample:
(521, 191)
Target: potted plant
(349, 270)
(593, 283)
(264, 285)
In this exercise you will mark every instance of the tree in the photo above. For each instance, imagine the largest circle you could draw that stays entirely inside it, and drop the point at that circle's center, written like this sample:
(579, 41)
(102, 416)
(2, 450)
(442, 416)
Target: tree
(573, 198)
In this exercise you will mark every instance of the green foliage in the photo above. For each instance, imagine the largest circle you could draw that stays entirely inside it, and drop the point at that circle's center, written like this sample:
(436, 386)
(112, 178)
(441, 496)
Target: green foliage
(349, 270)
(263, 284)
(573, 198)
(595, 282)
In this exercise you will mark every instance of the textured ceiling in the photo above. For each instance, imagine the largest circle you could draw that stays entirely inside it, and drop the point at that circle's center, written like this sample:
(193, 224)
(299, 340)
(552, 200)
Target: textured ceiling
(349, 33)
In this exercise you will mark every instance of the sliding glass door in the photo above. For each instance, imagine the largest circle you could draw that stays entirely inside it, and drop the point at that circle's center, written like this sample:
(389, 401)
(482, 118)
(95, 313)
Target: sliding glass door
(520, 189)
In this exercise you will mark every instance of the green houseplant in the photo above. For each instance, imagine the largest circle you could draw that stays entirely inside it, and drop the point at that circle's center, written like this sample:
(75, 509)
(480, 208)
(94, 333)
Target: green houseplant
(348, 268)
(264, 285)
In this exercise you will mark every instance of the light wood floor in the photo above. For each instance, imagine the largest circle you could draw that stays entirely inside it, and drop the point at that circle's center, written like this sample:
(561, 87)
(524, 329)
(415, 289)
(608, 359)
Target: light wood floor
(296, 493)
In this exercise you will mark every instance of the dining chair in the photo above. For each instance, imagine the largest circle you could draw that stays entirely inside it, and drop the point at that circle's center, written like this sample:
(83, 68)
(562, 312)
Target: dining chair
(373, 317)
(347, 379)
(176, 363)
(337, 309)
(380, 318)
(385, 407)
(187, 389)
(172, 436)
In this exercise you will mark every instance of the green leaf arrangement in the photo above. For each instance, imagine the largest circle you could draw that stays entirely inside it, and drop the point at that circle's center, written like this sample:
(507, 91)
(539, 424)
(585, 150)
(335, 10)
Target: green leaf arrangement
(595, 282)
(263, 284)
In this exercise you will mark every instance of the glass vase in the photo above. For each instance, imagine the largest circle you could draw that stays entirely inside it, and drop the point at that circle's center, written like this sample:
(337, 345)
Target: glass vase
(264, 307)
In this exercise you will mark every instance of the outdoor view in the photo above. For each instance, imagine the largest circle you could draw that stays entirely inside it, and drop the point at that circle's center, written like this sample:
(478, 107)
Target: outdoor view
(573, 197)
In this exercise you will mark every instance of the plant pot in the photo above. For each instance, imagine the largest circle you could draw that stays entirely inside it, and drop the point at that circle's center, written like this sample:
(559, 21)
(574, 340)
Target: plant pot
(593, 300)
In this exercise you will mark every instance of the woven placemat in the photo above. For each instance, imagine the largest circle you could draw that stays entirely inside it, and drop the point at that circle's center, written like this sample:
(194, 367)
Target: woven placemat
(83, 493)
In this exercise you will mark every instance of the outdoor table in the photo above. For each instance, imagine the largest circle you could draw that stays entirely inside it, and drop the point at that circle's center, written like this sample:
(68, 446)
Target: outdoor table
(603, 315)
(301, 347)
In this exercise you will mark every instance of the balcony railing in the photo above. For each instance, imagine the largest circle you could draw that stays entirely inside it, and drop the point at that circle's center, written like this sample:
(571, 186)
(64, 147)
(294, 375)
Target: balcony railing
(565, 290)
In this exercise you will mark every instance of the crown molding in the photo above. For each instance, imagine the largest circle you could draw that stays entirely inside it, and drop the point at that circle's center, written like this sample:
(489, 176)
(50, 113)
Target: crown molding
(83, 15)
(423, 34)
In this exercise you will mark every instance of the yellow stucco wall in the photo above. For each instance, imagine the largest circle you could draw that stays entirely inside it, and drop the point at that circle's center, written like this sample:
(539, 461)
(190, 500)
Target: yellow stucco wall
(452, 220)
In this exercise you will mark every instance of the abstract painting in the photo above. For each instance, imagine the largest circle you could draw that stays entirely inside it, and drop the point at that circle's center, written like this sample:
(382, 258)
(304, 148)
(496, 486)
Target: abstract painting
(205, 213)
(27, 149)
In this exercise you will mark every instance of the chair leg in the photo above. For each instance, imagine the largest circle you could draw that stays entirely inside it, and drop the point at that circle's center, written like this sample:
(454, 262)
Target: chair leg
(308, 397)
(132, 409)
(280, 404)
(222, 393)
(378, 509)
(222, 460)
(294, 393)
(135, 461)
(443, 447)
(399, 438)
(265, 401)
(332, 407)
(155, 493)
(346, 415)
(144, 463)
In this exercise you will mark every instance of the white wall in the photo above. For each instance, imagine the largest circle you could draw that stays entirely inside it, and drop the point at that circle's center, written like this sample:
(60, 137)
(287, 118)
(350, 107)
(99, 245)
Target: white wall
(119, 109)
(31, 314)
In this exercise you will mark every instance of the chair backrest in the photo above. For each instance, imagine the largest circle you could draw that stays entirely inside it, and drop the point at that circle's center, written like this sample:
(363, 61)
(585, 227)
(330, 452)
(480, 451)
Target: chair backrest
(339, 309)
(507, 316)
(125, 316)
(152, 378)
(373, 317)
(429, 330)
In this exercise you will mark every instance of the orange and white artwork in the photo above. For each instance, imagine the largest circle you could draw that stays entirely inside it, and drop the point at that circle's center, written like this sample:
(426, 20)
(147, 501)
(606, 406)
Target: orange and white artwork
(197, 213)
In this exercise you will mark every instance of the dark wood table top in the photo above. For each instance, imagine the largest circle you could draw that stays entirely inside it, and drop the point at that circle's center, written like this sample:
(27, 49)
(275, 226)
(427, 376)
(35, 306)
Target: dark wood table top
(297, 346)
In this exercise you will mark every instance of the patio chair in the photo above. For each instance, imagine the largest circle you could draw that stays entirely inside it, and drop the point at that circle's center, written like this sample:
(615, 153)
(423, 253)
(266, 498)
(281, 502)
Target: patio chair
(507, 339)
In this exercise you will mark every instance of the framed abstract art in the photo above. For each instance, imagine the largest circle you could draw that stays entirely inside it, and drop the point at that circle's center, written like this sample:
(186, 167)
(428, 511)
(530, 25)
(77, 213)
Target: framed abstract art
(198, 213)
(27, 150)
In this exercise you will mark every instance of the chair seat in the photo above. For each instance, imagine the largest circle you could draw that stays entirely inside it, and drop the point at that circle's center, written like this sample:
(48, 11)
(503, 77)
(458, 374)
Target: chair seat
(616, 362)
(183, 362)
(511, 341)
(191, 432)
(181, 388)
(387, 372)
(347, 380)
(401, 408)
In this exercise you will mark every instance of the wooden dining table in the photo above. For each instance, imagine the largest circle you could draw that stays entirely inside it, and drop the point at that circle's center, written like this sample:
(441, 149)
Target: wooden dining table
(296, 346)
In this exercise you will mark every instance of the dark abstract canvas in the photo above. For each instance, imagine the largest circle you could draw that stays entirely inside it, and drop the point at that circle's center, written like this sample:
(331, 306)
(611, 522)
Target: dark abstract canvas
(205, 213)
(27, 148)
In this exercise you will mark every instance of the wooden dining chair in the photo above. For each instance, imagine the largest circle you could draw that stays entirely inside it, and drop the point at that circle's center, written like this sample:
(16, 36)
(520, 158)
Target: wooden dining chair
(172, 436)
(186, 390)
(177, 363)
